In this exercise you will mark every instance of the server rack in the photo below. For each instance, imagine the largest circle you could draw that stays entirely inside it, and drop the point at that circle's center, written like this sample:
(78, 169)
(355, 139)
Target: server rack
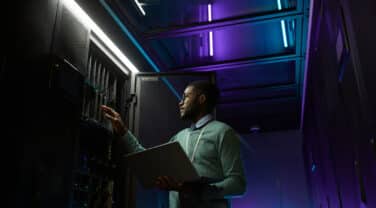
(95, 176)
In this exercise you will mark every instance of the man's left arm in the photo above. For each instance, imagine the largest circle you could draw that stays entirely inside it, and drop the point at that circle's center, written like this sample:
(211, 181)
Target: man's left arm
(234, 182)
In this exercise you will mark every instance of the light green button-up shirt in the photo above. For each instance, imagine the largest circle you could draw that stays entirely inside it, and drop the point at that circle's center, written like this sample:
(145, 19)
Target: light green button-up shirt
(216, 155)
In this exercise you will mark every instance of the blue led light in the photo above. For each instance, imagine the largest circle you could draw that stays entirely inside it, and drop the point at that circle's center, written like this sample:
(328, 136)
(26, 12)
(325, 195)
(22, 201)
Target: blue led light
(284, 33)
(138, 46)
(279, 4)
(313, 168)
(283, 26)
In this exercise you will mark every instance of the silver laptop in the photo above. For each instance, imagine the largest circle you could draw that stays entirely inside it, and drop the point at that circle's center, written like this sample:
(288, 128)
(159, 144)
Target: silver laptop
(168, 159)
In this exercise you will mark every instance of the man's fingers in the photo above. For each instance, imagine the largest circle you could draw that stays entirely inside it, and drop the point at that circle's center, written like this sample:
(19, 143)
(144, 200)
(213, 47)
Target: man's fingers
(172, 183)
(104, 107)
(167, 181)
(109, 110)
(110, 113)
(161, 183)
(109, 117)
(115, 118)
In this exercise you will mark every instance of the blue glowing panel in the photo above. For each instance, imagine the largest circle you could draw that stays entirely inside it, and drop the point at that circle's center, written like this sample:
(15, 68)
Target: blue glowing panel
(223, 9)
(237, 42)
(167, 13)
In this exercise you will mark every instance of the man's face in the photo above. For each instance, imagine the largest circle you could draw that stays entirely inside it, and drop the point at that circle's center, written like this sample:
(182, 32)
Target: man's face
(189, 105)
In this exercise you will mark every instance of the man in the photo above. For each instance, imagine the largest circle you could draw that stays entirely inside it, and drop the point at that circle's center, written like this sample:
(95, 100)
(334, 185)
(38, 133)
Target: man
(212, 146)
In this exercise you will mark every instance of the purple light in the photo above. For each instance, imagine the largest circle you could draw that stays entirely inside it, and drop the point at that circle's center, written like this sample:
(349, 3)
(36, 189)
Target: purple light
(362, 205)
(211, 43)
(211, 48)
(209, 12)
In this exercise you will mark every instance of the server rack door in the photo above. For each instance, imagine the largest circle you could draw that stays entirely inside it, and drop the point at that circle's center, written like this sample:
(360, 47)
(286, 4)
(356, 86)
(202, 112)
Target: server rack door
(155, 118)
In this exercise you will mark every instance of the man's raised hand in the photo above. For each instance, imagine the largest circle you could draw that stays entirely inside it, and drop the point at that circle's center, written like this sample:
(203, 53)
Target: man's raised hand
(115, 118)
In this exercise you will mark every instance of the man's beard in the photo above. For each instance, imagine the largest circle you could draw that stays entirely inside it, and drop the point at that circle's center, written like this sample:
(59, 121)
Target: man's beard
(190, 113)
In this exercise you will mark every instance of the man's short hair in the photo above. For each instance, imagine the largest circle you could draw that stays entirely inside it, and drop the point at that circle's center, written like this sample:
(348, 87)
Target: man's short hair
(210, 91)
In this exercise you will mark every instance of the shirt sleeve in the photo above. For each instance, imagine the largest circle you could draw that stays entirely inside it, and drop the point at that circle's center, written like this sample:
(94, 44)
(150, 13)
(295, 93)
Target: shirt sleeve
(131, 143)
(173, 139)
(234, 182)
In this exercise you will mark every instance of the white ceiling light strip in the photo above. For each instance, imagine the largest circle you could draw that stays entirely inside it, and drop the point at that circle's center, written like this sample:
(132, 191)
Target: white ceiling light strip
(84, 18)
(108, 53)
(139, 5)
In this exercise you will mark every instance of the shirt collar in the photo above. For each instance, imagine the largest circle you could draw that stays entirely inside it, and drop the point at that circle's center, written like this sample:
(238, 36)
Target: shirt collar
(200, 123)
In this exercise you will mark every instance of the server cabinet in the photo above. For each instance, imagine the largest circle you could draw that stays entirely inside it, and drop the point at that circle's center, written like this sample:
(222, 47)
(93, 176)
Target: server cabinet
(98, 177)
(154, 118)
(339, 119)
(96, 180)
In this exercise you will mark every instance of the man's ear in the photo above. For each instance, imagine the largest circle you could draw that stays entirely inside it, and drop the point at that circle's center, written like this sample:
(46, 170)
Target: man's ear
(202, 99)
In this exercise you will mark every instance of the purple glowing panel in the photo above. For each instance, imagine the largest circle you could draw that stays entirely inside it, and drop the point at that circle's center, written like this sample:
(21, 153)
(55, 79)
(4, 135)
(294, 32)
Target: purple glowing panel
(225, 9)
(274, 169)
(245, 41)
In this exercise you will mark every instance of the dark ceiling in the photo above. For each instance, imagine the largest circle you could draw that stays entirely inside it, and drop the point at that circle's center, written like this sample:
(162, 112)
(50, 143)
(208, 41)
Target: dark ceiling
(256, 47)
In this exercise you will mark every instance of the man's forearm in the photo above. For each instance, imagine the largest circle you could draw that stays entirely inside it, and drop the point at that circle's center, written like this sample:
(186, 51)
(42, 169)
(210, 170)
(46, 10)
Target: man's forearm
(229, 187)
